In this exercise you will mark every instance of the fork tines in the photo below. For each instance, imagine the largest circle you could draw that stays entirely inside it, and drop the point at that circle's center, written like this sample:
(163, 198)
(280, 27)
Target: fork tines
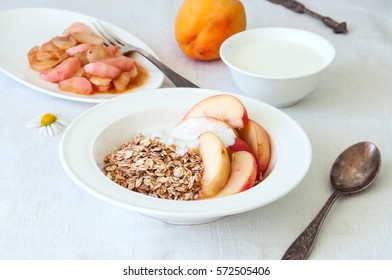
(107, 34)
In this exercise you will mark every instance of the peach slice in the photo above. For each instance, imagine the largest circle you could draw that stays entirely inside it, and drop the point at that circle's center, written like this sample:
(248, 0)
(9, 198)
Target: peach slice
(121, 83)
(193, 127)
(102, 70)
(64, 42)
(242, 176)
(63, 71)
(43, 60)
(241, 145)
(124, 63)
(257, 138)
(87, 37)
(77, 27)
(79, 85)
(223, 107)
(78, 49)
(216, 164)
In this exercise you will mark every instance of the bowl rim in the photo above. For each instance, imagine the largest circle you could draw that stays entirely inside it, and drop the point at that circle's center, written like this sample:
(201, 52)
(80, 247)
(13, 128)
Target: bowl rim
(74, 143)
(277, 30)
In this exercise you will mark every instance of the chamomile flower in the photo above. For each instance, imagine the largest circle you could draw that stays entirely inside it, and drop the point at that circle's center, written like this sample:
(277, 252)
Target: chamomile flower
(49, 124)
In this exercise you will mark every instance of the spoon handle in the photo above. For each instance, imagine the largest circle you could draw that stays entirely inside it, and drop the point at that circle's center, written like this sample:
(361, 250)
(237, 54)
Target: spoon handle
(301, 247)
(300, 8)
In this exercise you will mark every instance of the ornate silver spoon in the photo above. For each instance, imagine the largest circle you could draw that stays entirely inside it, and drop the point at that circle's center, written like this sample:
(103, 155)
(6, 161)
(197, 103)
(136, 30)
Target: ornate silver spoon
(354, 170)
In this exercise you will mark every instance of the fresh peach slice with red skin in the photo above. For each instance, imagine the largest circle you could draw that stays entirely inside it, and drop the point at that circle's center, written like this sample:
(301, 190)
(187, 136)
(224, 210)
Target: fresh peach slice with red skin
(242, 175)
(258, 139)
(199, 125)
(224, 107)
(216, 164)
(241, 145)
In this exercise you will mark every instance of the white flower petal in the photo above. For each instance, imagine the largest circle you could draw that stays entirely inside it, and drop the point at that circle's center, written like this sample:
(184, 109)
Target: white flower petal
(49, 130)
(56, 129)
(42, 131)
(62, 121)
(33, 123)
(59, 124)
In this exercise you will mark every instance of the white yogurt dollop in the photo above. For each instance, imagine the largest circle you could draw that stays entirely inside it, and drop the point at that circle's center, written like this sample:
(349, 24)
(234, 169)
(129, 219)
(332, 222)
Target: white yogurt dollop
(182, 142)
(185, 135)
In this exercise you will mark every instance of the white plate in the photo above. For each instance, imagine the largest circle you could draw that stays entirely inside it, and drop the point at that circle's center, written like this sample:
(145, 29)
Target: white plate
(22, 29)
(114, 122)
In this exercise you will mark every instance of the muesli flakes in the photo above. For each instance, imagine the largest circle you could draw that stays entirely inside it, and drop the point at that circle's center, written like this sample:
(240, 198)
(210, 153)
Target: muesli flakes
(148, 166)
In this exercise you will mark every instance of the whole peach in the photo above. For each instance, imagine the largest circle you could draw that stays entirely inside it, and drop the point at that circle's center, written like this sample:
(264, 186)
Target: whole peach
(201, 26)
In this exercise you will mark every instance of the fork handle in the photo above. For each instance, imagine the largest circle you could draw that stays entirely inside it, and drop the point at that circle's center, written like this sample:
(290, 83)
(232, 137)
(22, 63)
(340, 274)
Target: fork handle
(176, 79)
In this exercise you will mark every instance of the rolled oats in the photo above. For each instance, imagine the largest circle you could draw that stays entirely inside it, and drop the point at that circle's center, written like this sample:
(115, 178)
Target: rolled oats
(148, 166)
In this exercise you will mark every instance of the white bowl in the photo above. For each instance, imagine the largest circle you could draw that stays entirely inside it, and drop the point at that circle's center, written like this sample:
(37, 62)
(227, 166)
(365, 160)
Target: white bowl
(102, 128)
(279, 66)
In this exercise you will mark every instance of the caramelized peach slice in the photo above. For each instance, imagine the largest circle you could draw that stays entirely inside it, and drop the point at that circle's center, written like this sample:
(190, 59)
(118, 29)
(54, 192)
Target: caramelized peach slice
(121, 83)
(98, 81)
(49, 46)
(41, 60)
(114, 50)
(102, 70)
(64, 42)
(64, 70)
(87, 37)
(77, 27)
(78, 85)
(82, 56)
(97, 52)
(101, 88)
(124, 63)
(78, 49)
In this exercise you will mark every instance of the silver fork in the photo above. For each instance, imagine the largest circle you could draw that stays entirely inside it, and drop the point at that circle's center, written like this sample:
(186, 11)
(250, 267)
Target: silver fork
(110, 37)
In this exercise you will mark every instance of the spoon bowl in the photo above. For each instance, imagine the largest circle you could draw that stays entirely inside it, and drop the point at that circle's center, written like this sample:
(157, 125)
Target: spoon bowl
(354, 170)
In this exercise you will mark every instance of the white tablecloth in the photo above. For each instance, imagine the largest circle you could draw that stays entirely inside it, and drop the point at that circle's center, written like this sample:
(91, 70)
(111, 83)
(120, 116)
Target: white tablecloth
(44, 215)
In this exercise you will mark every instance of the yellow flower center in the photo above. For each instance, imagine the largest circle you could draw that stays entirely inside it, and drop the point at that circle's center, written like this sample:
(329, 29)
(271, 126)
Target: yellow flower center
(48, 119)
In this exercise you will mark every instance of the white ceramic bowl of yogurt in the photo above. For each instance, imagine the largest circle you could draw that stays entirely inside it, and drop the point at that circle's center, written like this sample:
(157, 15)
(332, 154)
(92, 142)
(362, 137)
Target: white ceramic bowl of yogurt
(115, 122)
(279, 66)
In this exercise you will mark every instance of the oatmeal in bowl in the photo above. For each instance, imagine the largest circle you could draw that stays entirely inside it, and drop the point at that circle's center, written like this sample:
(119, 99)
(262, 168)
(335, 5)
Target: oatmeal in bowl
(214, 150)
(141, 154)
